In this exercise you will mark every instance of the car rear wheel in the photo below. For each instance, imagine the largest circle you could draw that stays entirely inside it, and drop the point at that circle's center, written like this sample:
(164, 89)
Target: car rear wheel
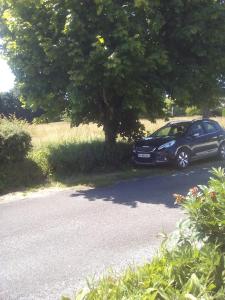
(182, 159)
(222, 151)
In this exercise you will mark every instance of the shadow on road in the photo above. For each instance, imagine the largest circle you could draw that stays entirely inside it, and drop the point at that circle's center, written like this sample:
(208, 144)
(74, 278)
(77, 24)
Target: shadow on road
(151, 190)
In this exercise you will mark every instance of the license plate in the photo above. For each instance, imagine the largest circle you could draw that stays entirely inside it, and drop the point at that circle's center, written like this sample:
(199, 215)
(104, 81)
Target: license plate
(144, 155)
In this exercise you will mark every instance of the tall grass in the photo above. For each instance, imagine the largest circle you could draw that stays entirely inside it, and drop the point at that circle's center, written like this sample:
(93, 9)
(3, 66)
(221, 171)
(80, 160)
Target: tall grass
(75, 158)
(61, 132)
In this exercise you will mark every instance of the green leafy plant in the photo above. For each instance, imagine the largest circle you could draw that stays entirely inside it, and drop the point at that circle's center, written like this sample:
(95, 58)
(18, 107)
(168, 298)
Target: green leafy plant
(192, 111)
(15, 142)
(76, 158)
(185, 273)
(205, 206)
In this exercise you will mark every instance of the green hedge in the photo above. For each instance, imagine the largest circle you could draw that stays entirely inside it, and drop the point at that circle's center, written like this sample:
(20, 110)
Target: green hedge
(73, 158)
(15, 142)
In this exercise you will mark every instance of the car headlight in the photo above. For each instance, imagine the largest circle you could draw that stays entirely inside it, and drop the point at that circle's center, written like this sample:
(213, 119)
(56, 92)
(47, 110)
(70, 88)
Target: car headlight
(167, 145)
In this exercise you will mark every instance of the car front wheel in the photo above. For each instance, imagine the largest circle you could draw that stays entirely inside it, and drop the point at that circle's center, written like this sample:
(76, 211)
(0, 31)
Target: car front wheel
(222, 151)
(182, 159)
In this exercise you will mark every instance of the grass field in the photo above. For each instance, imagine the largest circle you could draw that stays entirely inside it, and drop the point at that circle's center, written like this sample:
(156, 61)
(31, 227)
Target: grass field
(62, 132)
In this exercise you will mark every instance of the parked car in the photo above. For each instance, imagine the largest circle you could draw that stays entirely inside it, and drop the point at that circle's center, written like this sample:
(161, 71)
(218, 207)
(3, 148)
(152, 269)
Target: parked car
(180, 143)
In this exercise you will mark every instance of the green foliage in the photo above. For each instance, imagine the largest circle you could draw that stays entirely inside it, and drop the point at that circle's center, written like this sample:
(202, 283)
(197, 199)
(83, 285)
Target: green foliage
(186, 273)
(74, 158)
(15, 142)
(171, 109)
(223, 112)
(168, 107)
(20, 175)
(110, 61)
(206, 208)
(192, 111)
(11, 105)
(40, 157)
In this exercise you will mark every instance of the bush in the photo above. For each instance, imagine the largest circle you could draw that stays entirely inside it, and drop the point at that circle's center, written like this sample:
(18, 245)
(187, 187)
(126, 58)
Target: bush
(192, 111)
(72, 158)
(206, 208)
(15, 142)
(186, 273)
(40, 157)
(22, 174)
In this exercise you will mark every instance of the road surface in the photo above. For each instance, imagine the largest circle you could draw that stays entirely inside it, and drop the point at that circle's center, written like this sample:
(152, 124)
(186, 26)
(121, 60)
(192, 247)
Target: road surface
(50, 244)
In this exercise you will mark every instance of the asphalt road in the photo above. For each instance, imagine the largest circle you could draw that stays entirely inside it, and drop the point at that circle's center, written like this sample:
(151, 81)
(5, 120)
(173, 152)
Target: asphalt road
(50, 244)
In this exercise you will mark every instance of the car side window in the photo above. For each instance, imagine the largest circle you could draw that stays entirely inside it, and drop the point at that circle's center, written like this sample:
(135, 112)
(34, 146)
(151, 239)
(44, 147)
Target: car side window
(196, 129)
(163, 131)
(210, 127)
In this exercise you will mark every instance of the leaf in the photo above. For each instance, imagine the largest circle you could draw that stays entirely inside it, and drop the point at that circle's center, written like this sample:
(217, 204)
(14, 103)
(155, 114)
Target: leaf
(100, 39)
(193, 285)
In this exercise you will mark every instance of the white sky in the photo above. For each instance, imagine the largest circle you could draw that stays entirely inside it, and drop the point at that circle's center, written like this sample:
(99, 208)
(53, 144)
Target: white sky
(6, 77)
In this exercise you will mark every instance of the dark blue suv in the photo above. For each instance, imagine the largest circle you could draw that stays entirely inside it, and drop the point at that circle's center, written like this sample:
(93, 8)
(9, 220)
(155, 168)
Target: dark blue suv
(181, 142)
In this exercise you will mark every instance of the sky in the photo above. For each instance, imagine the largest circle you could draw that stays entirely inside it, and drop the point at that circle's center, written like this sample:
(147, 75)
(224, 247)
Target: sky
(6, 77)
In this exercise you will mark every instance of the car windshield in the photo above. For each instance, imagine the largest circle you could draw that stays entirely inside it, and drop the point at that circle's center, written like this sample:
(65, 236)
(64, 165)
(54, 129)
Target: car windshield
(171, 130)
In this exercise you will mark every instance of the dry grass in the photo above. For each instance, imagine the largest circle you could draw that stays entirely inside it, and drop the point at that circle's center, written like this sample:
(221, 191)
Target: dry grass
(62, 132)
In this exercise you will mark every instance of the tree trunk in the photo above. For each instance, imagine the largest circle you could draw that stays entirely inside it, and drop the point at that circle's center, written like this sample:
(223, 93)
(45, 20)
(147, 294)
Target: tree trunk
(109, 122)
(205, 112)
(110, 145)
(110, 136)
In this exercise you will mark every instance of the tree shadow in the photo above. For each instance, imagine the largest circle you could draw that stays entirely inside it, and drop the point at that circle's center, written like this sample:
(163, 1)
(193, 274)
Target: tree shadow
(148, 190)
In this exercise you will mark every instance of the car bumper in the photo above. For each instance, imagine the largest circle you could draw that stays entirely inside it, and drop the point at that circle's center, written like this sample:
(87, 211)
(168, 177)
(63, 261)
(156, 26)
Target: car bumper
(156, 158)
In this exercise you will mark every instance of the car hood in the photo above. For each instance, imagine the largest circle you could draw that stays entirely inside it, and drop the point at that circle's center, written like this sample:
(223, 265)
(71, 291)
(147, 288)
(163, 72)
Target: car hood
(154, 141)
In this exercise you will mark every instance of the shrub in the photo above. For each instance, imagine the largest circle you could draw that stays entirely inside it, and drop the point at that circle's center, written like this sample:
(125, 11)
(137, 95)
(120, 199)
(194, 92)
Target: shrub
(22, 174)
(192, 111)
(15, 142)
(185, 273)
(206, 208)
(72, 158)
(40, 157)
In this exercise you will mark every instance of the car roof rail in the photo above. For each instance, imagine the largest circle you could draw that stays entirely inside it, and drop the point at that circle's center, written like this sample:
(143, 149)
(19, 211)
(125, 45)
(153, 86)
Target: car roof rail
(200, 119)
(179, 121)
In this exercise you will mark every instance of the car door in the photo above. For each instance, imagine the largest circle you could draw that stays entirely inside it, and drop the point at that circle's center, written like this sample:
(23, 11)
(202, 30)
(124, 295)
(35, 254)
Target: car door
(212, 132)
(197, 140)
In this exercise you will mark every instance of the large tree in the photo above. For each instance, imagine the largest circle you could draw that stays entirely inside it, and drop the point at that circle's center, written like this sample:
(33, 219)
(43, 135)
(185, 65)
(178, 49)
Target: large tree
(107, 61)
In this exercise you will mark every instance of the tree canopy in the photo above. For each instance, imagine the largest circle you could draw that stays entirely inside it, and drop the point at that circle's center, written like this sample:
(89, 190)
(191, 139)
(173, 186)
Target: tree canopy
(108, 61)
(10, 105)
